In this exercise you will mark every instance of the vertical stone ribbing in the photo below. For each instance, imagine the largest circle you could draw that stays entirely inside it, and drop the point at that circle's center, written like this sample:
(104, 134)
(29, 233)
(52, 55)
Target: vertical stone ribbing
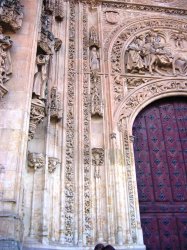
(70, 133)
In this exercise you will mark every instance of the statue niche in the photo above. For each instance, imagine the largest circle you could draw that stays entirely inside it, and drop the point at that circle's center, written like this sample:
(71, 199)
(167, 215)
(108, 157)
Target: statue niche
(157, 52)
(94, 49)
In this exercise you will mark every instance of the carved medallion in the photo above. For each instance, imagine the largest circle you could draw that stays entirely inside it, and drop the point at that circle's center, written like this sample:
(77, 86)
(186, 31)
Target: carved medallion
(112, 17)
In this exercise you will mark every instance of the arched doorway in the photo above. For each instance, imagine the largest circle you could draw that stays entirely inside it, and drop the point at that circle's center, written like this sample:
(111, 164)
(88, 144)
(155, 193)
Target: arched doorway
(160, 148)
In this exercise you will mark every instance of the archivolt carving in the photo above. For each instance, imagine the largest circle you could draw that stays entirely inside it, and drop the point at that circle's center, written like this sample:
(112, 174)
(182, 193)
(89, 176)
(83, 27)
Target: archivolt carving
(146, 92)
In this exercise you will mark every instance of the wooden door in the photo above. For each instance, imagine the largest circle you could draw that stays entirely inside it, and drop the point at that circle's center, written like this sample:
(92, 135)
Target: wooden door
(160, 148)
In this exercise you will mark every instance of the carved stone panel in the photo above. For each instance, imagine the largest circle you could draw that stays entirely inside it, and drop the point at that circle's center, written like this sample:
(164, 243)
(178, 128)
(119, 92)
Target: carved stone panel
(36, 160)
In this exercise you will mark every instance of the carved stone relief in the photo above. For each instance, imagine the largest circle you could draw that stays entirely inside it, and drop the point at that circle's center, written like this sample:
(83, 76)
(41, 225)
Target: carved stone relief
(36, 160)
(37, 115)
(97, 160)
(157, 51)
(55, 104)
(53, 163)
(47, 41)
(96, 95)
(5, 62)
(55, 7)
(69, 167)
(11, 14)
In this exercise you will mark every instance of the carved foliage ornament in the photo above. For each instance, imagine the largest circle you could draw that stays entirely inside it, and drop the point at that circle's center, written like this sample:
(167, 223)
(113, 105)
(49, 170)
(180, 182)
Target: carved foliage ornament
(140, 95)
(37, 115)
(11, 14)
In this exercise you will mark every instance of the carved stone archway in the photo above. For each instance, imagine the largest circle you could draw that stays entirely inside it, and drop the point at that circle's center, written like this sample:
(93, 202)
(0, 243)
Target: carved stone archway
(128, 99)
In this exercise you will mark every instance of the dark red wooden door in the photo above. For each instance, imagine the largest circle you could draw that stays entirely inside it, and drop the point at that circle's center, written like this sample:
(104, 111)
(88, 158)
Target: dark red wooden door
(160, 148)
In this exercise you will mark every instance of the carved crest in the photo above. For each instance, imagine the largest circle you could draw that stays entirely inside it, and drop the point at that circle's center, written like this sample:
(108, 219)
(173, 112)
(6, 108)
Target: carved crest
(112, 17)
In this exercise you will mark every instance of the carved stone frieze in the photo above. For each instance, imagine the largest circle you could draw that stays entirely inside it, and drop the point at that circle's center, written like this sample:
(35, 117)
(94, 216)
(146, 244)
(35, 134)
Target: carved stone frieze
(36, 160)
(55, 104)
(142, 7)
(156, 48)
(149, 90)
(118, 87)
(88, 223)
(96, 95)
(37, 115)
(70, 134)
(53, 163)
(11, 14)
(135, 82)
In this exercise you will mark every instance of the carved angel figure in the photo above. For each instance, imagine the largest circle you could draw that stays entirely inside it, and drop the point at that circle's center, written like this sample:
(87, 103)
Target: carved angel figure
(94, 59)
(40, 79)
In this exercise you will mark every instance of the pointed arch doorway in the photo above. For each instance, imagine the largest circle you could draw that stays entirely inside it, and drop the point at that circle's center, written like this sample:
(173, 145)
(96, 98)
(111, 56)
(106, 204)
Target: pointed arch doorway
(160, 149)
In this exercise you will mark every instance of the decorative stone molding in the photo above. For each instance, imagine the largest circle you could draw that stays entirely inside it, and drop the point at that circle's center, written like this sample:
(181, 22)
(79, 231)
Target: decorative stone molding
(11, 14)
(96, 95)
(53, 163)
(55, 105)
(36, 160)
(70, 135)
(148, 91)
(142, 7)
(87, 206)
(37, 115)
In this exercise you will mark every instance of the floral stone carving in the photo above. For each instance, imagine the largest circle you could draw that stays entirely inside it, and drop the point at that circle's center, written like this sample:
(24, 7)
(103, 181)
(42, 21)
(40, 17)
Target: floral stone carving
(36, 160)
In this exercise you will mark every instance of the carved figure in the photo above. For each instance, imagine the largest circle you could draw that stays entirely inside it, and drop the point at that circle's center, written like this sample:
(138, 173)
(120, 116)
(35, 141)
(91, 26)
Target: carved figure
(94, 59)
(135, 63)
(40, 80)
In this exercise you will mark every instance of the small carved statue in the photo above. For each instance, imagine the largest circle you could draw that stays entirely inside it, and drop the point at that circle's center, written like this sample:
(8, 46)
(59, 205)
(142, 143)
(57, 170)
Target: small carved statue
(94, 59)
(41, 77)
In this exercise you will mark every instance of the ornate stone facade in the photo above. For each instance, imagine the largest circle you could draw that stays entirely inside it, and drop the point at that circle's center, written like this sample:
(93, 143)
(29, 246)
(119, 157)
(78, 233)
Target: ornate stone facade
(74, 75)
